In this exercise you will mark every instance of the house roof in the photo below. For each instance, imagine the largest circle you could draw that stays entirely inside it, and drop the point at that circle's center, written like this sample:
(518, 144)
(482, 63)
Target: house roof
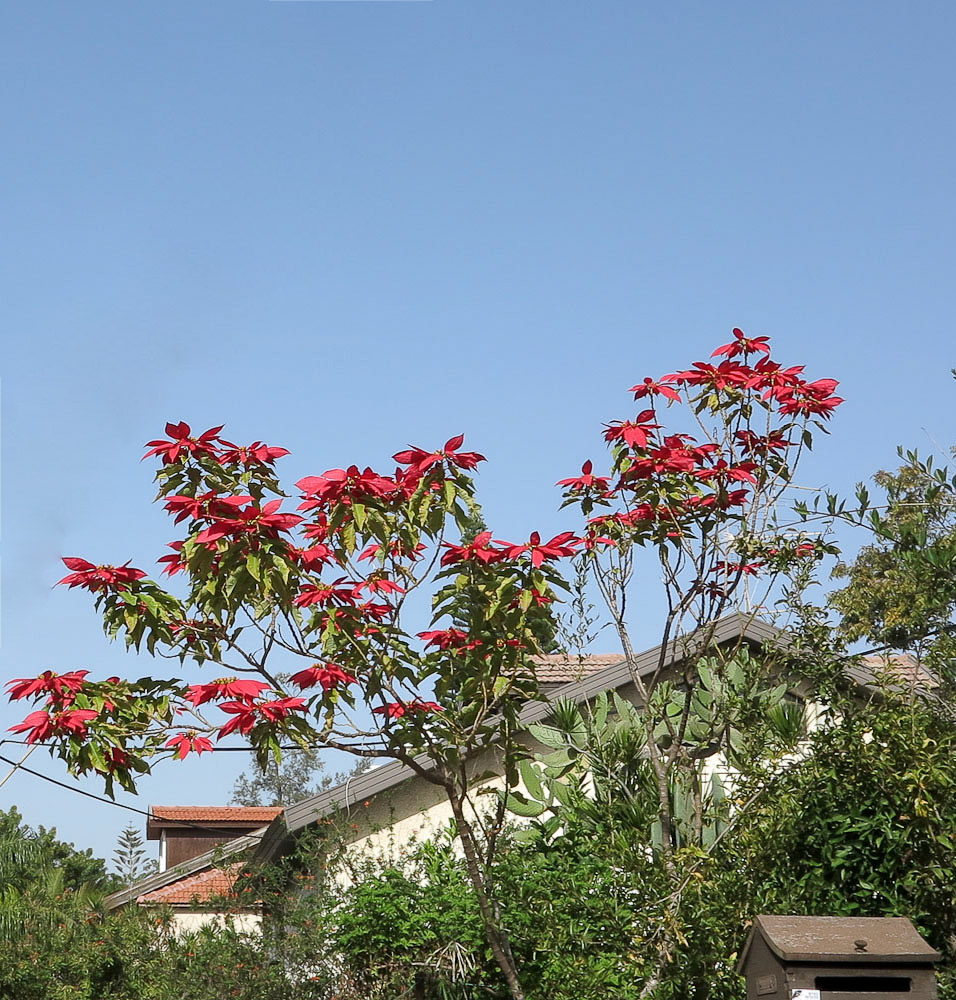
(229, 821)
(615, 675)
(202, 862)
(201, 887)
(898, 670)
(563, 668)
(213, 814)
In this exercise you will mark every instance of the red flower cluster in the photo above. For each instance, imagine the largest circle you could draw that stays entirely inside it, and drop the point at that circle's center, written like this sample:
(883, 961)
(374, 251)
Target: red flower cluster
(174, 561)
(181, 444)
(793, 394)
(399, 709)
(61, 688)
(481, 549)
(344, 486)
(340, 592)
(660, 477)
(633, 433)
(445, 639)
(183, 743)
(651, 388)
(586, 481)
(557, 548)
(225, 687)
(329, 676)
(263, 520)
(245, 715)
(40, 725)
(208, 505)
(253, 454)
(420, 461)
(743, 345)
(94, 578)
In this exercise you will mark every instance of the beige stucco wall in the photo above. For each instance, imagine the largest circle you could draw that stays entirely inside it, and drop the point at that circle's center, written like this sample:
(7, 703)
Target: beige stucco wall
(190, 921)
(387, 827)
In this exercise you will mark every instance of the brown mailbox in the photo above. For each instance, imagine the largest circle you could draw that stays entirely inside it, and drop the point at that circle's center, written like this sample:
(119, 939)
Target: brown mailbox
(837, 958)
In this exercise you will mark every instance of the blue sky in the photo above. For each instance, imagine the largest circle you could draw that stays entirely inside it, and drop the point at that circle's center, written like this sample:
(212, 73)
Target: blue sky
(347, 226)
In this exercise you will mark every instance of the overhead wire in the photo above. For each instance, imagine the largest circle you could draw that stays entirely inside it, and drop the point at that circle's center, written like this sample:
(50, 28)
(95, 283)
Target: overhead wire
(18, 766)
(210, 750)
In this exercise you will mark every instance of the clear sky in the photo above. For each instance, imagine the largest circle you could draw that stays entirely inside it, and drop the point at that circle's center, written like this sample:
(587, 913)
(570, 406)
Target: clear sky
(346, 226)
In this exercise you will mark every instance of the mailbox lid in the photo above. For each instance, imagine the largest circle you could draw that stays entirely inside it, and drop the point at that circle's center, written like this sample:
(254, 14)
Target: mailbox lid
(835, 939)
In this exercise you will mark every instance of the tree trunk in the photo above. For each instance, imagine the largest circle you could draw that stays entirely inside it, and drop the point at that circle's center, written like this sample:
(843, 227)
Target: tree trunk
(495, 934)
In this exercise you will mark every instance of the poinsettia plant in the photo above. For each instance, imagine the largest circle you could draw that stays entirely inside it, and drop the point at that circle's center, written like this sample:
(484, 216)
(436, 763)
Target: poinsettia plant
(257, 582)
(326, 584)
(712, 503)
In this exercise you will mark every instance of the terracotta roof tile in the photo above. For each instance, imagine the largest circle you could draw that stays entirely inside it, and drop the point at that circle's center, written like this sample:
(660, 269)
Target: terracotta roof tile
(563, 668)
(217, 814)
(206, 885)
(905, 666)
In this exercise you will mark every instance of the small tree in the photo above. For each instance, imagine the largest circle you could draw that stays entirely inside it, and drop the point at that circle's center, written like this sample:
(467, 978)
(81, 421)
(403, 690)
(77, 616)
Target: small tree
(279, 782)
(705, 503)
(901, 587)
(129, 859)
(254, 600)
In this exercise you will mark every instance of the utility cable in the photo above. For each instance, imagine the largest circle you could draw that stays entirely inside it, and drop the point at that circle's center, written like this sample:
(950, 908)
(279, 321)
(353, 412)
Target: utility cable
(110, 802)
(13, 770)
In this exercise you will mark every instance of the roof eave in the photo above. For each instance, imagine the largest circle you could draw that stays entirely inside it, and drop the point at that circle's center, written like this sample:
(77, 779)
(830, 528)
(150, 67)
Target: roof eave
(280, 834)
(184, 869)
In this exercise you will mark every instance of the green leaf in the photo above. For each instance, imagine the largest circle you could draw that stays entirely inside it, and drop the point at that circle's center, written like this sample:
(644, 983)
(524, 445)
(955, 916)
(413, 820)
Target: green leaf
(517, 803)
(530, 779)
(252, 565)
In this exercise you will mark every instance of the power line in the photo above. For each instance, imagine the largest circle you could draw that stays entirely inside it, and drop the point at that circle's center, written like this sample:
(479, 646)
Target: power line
(111, 802)
(19, 763)
(294, 746)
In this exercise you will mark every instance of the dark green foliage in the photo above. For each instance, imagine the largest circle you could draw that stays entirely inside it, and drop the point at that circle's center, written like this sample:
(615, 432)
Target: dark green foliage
(44, 850)
(417, 929)
(865, 826)
(901, 589)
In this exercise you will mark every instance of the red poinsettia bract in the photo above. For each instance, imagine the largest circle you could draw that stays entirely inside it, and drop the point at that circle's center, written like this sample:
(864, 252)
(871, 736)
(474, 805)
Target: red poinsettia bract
(245, 715)
(256, 453)
(225, 687)
(252, 520)
(343, 485)
(182, 444)
(726, 375)
(651, 388)
(209, 504)
(184, 743)
(399, 709)
(742, 344)
(174, 561)
(586, 481)
(328, 675)
(558, 547)
(634, 433)
(40, 725)
(340, 592)
(420, 461)
(478, 549)
(60, 687)
(444, 639)
(94, 578)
